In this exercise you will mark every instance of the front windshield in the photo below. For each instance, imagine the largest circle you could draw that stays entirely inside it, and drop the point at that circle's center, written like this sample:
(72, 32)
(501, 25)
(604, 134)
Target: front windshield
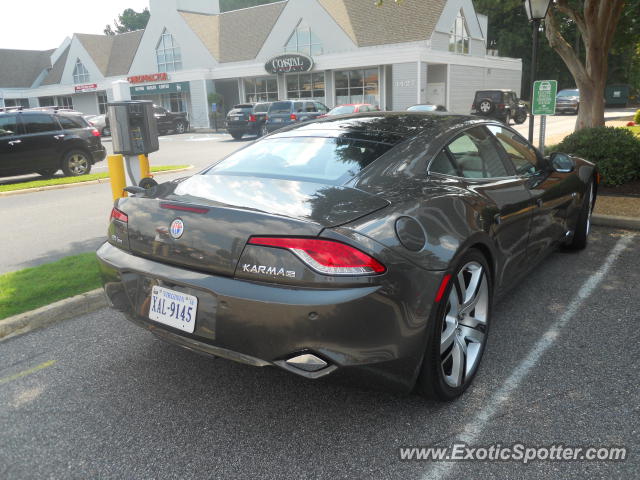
(325, 160)
(568, 93)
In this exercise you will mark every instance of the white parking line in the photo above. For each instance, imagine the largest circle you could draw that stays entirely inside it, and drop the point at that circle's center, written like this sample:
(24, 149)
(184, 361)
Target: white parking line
(474, 428)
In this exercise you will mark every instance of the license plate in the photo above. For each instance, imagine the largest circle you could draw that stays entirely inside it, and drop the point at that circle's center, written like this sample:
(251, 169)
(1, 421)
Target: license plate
(176, 309)
(277, 120)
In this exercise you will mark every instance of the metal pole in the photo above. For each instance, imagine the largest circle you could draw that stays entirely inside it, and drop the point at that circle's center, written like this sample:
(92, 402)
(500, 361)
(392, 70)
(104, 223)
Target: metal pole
(534, 63)
(543, 131)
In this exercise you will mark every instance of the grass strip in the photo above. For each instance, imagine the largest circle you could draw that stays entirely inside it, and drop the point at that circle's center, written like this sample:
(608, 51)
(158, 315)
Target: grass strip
(82, 178)
(36, 287)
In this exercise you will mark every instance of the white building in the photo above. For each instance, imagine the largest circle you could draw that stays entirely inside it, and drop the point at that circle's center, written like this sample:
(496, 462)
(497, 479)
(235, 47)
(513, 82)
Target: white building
(393, 56)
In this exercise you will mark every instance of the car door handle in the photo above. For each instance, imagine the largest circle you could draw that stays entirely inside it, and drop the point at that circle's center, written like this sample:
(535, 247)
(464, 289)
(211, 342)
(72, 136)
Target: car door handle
(58, 137)
(15, 142)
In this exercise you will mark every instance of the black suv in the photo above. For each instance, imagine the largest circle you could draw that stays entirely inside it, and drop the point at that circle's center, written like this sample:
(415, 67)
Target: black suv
(503, 105)
(283, 113)
(45, 141)
(247, 119)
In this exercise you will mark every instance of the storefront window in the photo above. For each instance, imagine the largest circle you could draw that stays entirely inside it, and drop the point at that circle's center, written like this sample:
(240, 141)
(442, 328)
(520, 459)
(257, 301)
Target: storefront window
(102, 102)
(303, 40)
(16, 102)
(357, 86)
(177, 103)
(168, 55)
(459, 35)
(65, 102)
(80, 73)
(306, 85)
(261, 89)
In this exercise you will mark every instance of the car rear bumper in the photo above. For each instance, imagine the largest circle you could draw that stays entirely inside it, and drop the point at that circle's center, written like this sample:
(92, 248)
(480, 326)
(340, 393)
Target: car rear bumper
(99, 154)
(362, 334)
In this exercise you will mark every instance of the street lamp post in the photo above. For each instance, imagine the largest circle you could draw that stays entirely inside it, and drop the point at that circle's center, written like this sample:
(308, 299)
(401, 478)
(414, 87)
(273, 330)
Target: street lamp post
(536, 11)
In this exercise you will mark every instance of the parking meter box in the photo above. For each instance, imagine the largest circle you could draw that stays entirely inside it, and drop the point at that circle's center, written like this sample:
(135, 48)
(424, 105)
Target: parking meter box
(134, 130)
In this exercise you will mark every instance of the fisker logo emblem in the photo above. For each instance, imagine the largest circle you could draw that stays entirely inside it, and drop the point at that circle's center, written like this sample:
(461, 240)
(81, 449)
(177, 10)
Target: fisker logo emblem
(177, 228)
(275, 271)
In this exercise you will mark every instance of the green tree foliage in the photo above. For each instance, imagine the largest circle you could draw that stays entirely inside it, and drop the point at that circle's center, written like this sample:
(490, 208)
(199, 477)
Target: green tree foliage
(227, 5)
(128, 21)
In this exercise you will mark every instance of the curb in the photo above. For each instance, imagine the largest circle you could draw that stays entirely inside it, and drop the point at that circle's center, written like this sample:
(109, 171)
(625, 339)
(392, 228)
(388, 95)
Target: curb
(53, 313)
(616, 222)
(81, 184)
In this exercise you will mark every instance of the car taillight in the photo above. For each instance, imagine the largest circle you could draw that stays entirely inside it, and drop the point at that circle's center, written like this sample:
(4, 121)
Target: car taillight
(293, 117)
(95, 132)
(118, 215)
(328, 257)
(252, 118)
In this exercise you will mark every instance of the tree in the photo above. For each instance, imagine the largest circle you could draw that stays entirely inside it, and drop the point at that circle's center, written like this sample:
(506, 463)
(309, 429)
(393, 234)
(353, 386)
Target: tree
(597, 21)
(129, 21)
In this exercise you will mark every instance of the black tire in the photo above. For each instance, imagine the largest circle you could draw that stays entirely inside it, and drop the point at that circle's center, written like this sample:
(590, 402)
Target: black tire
(47, 172)
(180, 127)
(433, 381)
(486, 107)
(520, 117)
(264, 131)
(583, 225)
(76, 163)
(236, 136)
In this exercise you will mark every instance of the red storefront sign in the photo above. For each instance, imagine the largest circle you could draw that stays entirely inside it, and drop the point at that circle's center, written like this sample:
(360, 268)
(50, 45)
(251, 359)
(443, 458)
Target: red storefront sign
(90, 87)
(150, 77)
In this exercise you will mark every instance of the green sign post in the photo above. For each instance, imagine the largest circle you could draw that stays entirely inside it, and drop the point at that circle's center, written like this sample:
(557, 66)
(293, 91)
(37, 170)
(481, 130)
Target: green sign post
(544, 97)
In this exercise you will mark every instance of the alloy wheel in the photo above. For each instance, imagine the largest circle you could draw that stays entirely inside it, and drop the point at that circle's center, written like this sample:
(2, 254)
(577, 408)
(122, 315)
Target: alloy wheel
(465, 324)
(78, 164)
(485, 107)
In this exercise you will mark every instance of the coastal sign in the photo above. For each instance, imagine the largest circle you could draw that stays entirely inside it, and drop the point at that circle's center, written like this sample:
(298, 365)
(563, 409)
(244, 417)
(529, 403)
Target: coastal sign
(289, 63)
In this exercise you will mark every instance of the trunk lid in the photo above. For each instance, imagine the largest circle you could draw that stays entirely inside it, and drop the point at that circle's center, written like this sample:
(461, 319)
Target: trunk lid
(220, 212)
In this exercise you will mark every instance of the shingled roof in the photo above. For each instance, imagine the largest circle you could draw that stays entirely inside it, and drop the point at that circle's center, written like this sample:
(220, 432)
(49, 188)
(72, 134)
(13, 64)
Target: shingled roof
(55, 74)
(101, 47)
(367, 25)
(21, 68)
(237, 35)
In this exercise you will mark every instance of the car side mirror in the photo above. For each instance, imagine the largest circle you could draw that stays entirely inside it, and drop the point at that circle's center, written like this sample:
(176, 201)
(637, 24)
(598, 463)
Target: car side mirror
(561, 162)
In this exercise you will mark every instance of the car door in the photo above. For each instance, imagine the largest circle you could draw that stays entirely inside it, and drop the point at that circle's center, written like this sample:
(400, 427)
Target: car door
(551, 198)
(475, 157)
(11, 147)
(43, 141)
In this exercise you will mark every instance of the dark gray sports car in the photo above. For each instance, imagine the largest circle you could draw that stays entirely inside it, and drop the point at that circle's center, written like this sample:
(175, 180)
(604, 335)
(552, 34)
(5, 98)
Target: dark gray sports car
(366, 247)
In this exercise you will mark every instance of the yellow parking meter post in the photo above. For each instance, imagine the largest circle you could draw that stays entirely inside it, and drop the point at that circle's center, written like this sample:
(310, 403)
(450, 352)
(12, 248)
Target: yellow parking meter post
(145, 171)
(116, 173)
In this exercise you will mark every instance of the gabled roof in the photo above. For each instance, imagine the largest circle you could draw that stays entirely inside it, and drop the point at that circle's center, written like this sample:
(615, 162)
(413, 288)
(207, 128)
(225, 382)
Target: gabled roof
(21, 68)
(55, 74)
(237, 35)
(368, 25)
(112, 54)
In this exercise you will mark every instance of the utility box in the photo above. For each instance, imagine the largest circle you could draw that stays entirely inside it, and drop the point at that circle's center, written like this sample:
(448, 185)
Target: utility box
(134, 130)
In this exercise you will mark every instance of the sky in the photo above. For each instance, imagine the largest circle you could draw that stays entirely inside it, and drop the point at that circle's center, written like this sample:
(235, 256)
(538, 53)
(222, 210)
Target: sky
(44, 24)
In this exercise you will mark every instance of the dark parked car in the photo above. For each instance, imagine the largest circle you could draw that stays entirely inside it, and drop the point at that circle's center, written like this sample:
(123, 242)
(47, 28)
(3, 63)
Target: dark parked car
(45, 141)
(568, 101)
(287, 112)
(247, 119)
(366, 247)
(502, 105)
(426, 107)
(167, 121)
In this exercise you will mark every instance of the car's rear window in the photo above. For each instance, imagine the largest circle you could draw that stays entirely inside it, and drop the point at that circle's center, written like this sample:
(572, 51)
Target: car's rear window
(493, 96)
(280, 107)
(71, 122)
(343, 110)
(325, 160)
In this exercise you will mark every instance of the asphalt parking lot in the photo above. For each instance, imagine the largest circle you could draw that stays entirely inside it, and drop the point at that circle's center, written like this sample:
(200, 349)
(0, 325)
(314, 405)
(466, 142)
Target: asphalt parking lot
(97, 397)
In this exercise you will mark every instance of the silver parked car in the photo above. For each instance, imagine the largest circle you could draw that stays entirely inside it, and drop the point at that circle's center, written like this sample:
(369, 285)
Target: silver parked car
(568, 101)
